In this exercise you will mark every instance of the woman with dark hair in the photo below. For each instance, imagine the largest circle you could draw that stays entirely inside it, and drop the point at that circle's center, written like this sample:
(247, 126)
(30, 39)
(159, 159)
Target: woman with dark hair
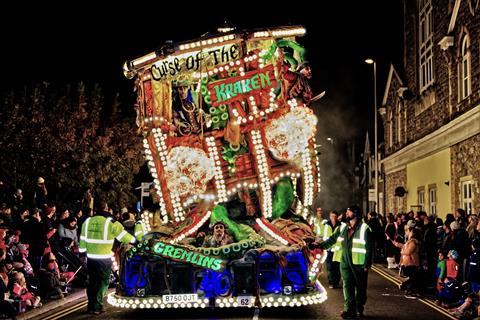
(410, 260)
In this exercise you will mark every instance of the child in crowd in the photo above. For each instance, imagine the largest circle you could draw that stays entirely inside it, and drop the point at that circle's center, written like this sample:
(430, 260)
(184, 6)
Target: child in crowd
(20, 290)
(441, 270)
(448, 287)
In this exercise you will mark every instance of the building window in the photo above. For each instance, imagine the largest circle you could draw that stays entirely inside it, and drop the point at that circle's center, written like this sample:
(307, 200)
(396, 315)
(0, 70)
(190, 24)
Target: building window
(421, 199)
(466, 183)
(432, 199)
(390, 128)
(425, 38)
(465, 75)
(399, 123)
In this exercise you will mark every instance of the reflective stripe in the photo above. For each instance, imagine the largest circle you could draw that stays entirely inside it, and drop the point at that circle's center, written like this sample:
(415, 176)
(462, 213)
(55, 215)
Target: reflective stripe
(100, 241)
(335, 248)
(121, 235)
(473, 263)
(100, 256)
(359, 241)
(340, 239)
(359, 250)
(138, 232)
(105, 228)
(82, 249)
(363, 230)
(144, 228)
(86, 227)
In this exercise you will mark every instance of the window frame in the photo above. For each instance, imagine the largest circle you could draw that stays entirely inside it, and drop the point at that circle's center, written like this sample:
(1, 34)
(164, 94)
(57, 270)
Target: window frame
(465, 71)
(425, 45)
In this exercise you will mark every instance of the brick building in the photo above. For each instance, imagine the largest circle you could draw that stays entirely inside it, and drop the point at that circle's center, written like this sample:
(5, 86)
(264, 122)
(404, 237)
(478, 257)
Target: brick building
(431, 110)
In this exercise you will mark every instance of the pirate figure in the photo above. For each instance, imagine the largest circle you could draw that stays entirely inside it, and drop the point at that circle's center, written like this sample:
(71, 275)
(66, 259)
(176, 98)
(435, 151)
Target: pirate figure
(298, 86)
(186, 115)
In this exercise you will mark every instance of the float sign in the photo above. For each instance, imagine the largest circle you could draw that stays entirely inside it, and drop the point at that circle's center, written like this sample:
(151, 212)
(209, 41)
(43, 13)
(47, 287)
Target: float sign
(237, 88)
(183, 254)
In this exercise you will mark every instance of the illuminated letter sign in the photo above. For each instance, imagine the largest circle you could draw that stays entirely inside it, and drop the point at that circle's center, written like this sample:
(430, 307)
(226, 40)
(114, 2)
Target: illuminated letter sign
(193, 61)
(182, 254)
(234, 89)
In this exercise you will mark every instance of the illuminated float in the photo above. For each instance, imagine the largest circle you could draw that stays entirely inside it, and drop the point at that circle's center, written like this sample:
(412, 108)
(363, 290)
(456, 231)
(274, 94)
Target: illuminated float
(229, 139)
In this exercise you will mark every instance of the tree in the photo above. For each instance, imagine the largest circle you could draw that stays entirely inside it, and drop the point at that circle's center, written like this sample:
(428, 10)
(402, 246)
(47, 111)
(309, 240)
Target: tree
(72, 138)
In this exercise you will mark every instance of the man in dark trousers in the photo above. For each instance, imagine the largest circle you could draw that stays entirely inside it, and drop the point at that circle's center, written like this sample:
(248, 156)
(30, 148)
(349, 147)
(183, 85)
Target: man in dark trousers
(96, 240)
(351, 243)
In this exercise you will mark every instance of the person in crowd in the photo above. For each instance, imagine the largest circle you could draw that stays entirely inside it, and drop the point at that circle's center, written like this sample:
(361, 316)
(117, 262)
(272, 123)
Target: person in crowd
(461, 217)
(429, 248)
(68, 229)
(458, 240)
(467, 310)
(353, 249)
(6, 304)
(34, 233)
(448, 292)
(50, 286)
(40, 194)
(19, 218)
(17, 200)
(440, 232)
(6, 215)
(410, 259)
(390, 249)
(449, 218)
(49, 220)
(473, 266)
(128, 220)
(472, 226)
(441, 271)
(99, 254)
(21, 291)
(87, 201)
(377, 234)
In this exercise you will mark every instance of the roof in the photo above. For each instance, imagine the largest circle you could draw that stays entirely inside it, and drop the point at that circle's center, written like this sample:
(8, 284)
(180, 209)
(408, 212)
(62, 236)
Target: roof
(391, 74)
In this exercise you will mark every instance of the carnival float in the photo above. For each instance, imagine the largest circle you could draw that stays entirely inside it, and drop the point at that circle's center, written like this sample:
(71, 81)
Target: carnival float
(229, 137)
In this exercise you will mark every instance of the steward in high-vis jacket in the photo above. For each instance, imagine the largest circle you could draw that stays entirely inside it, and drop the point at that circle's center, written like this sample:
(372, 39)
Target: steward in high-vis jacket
(139, 230)
(333, 266)
(351, 247)
(96, 240)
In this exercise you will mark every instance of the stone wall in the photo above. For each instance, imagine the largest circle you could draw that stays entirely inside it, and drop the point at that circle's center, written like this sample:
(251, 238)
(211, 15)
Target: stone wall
(435, 107)
(466, 162)
(393, 180)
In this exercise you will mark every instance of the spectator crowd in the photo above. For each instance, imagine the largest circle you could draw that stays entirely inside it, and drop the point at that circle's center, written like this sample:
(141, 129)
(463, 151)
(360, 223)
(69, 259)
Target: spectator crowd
(438, 259)
(39, 257)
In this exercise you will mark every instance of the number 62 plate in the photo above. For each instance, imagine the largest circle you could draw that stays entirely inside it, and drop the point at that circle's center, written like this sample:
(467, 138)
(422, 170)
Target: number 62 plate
(245, 301)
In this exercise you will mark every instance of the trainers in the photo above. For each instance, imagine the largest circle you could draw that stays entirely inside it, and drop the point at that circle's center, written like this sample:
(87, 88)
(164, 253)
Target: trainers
(410, 295)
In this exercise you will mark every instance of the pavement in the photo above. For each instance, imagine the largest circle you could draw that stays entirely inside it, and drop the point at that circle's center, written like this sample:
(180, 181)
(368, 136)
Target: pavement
(75, 297)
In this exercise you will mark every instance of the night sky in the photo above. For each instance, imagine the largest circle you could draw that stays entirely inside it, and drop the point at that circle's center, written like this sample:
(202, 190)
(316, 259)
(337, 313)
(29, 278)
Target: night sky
(64, 44)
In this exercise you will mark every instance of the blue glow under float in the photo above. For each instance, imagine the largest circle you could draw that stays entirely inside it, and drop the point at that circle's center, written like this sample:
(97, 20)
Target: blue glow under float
(229, 139)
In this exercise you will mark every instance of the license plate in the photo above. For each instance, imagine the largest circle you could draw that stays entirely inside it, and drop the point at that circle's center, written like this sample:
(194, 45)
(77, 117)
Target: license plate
(245, 301)
(180, 298)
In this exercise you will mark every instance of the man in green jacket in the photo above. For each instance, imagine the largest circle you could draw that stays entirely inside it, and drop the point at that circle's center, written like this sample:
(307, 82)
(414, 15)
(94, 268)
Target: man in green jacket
(96, 239)
(350, 244)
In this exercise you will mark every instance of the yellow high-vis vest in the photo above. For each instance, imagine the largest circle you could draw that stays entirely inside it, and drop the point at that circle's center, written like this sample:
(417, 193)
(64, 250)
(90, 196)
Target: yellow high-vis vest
(98, 234)
(140, 230)
(359, 245)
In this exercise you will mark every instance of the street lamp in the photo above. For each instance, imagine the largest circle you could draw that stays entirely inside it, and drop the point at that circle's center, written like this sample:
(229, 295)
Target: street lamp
(371, 61)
